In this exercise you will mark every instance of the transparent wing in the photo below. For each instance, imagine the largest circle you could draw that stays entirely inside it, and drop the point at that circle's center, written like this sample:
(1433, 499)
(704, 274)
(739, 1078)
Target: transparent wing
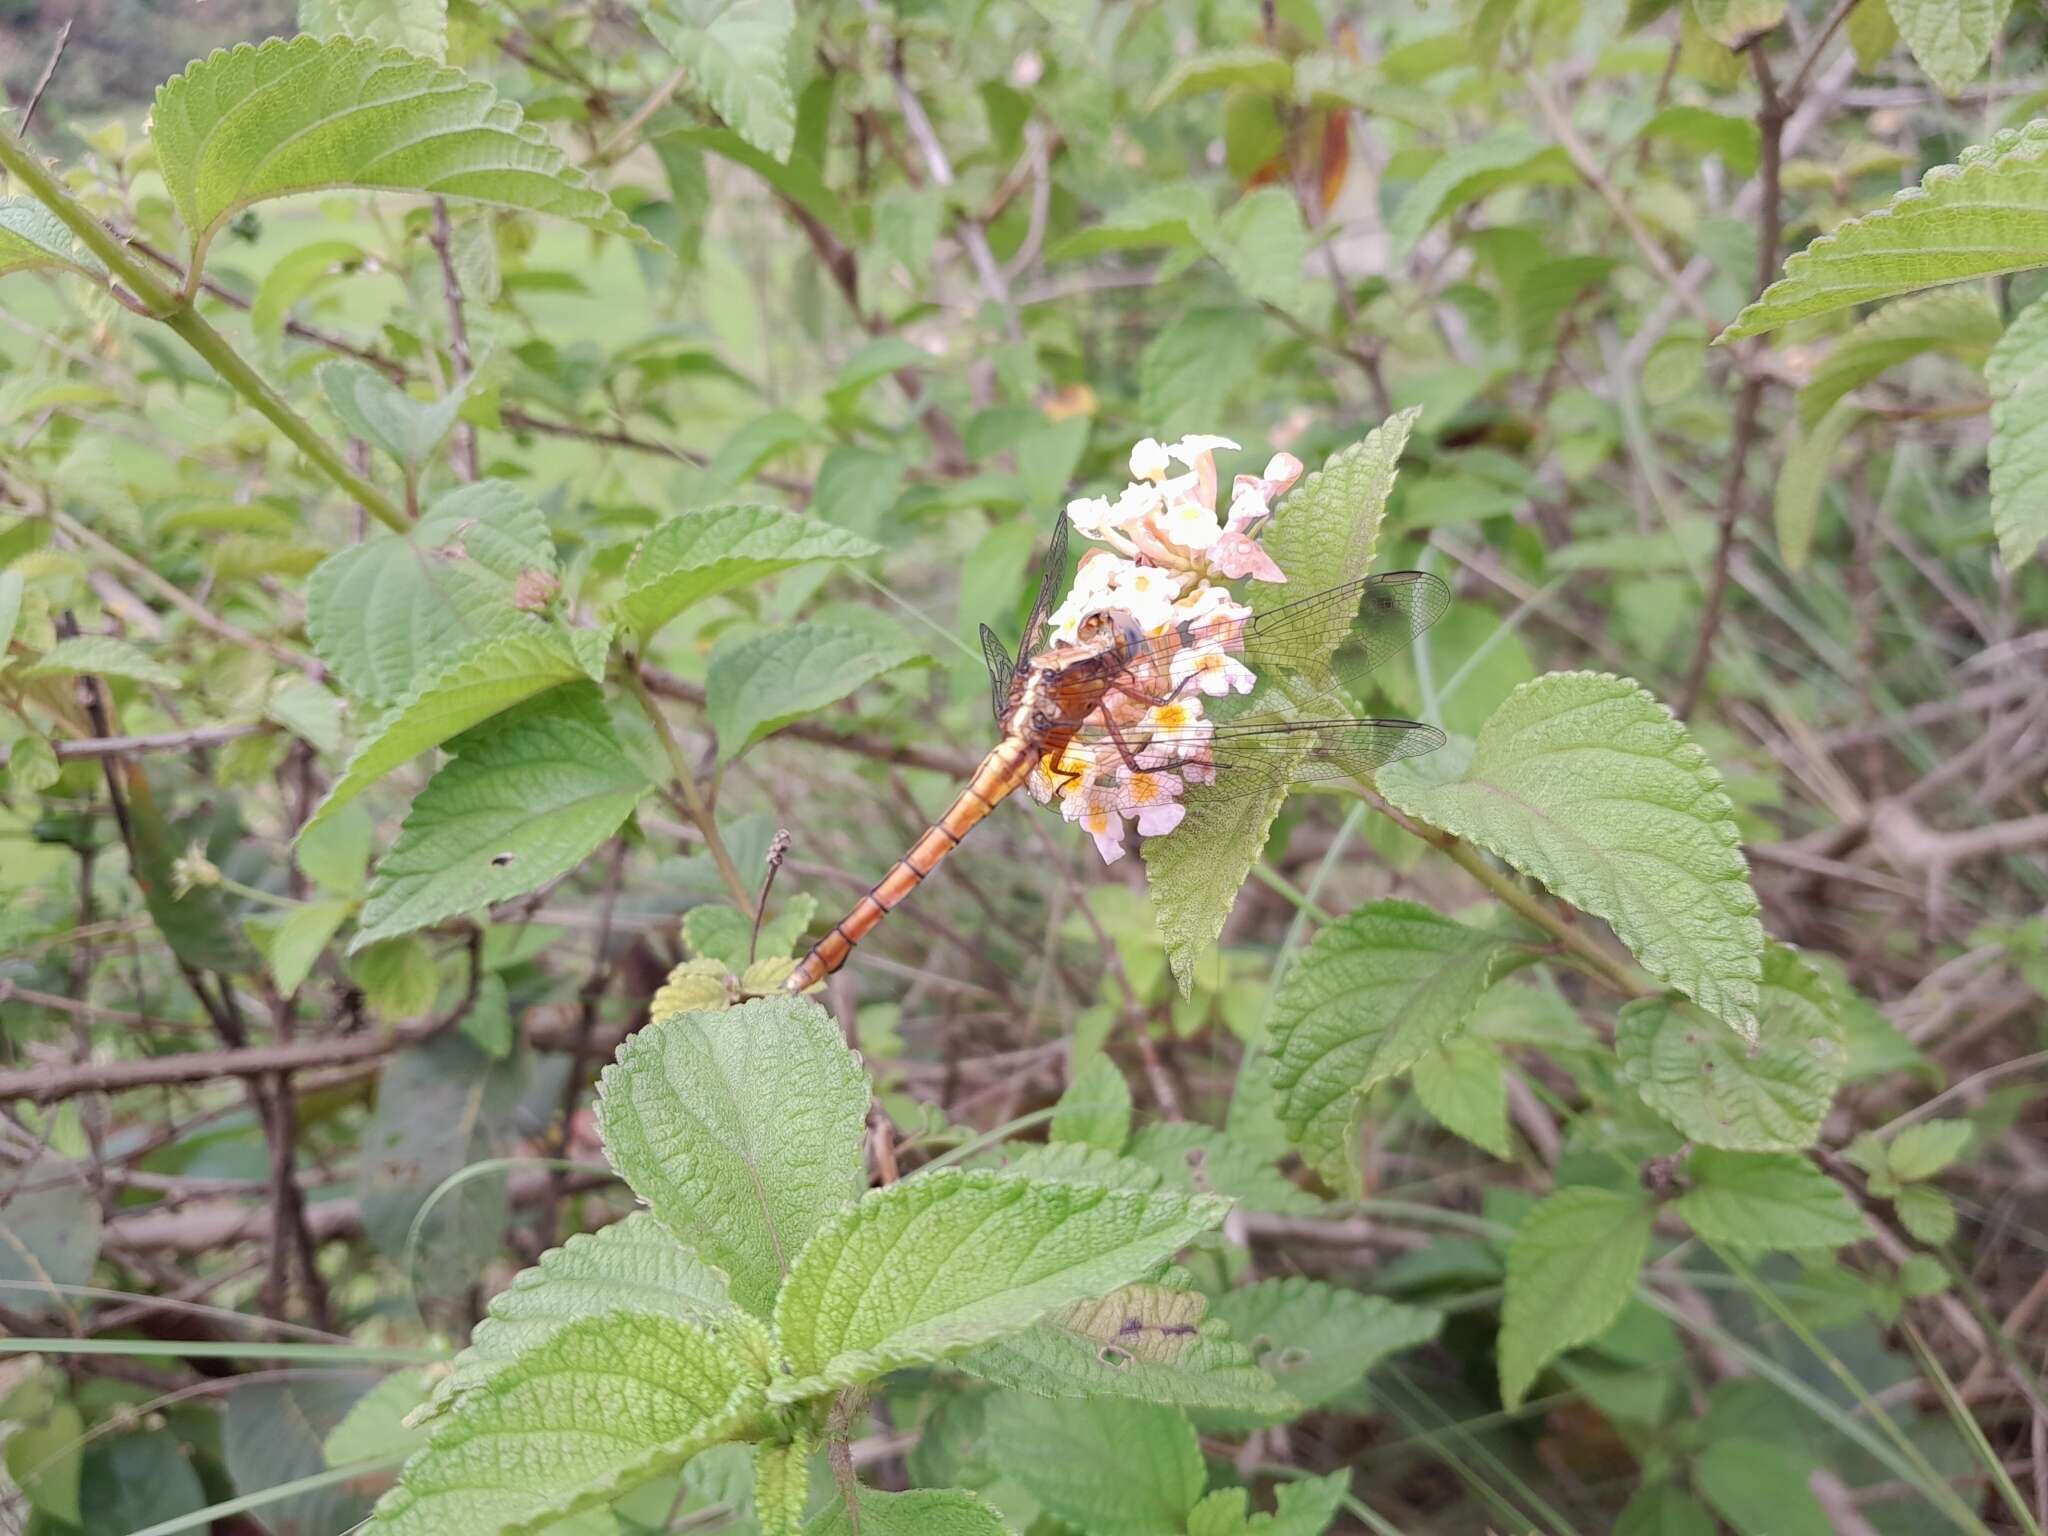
(1251, 757)
(1049, 586)
(1000, 670)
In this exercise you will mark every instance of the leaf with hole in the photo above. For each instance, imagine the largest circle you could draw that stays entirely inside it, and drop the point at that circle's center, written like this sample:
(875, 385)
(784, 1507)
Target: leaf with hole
(386, 614)
(1770, 1097)
(525, 798)
(1317, 1341)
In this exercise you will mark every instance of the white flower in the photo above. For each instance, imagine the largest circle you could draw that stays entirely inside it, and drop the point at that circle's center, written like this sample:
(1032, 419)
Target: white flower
(1148, 460)
(1192, 450)
(1147, 594)
(1095, 809)
(1091, 516)
(1151, 799)
(1188, 520)
(1215, 671)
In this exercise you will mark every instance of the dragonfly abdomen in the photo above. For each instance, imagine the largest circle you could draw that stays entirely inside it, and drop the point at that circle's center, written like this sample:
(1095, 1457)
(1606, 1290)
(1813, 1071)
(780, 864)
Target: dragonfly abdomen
(1007, 766)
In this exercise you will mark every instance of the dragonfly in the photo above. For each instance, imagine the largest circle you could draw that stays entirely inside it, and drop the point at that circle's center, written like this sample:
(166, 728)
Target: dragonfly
(1062, 700)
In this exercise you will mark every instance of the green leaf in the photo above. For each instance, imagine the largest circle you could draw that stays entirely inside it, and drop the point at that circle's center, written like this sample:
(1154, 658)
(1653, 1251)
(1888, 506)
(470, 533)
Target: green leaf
(136, 1479)
(1188, 370)
(1323, 536)
(275, 1432)
(1950, 39)
(34, 239)
(715, 549)
(1204, 1161)
(371, 407)
(1767, 1098)
(1666, 1510)
(308, 115)
(1926, 1213)
(1924, 1150)
(1737, 23)
(51, 1235)
(1803, 479)
(488, 681)
(1132, 1468)
(742, 1129)
(44, 1458)
(782, 1485)
(1736, 140)
(920, 1512)
(1316, 1340)
(374, 1427)
(418, 26)
(294, 275)
(1986, 214)
(100, 656)
(32, 765)
(1962, 322)
(526, 798)
(1871, 32)
(1262, 243)
(877, 359)
(739, 64)
(636, 1264)
(949, 1260)
(604, 1404)
(1096, 1108)
(295, 944)
(1767, 1200)
(1153, 1343)
(1762, 1487)
(1459, 177)
(759, 683)
(1176, 215)
(1585, 782)
(1463, 1084)
(387, 614)
(1216, 69)
(1572, 1266)
(2019, 435)
(1371, 996)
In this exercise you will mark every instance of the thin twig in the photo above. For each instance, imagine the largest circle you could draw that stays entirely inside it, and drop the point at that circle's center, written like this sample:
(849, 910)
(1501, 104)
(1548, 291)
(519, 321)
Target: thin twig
(35, 97)
(463, 440)
(1770, 118)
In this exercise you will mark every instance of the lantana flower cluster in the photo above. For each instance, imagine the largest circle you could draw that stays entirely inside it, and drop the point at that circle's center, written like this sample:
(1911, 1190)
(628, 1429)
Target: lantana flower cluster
(1167, 553)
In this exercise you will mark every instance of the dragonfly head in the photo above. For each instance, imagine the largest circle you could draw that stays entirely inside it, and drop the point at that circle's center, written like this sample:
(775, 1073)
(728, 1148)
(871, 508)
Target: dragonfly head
(1109, 629)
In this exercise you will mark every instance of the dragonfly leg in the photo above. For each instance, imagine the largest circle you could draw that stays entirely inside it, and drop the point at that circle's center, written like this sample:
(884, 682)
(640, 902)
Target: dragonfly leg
(1123, 748)
(1155, 700)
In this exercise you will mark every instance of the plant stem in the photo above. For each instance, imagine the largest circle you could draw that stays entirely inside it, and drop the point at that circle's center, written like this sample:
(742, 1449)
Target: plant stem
(160, 303)
(695, 806)
(1503, 888)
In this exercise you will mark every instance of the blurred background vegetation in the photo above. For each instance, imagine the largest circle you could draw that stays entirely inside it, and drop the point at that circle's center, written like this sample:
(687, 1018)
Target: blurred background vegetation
(921, 273)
